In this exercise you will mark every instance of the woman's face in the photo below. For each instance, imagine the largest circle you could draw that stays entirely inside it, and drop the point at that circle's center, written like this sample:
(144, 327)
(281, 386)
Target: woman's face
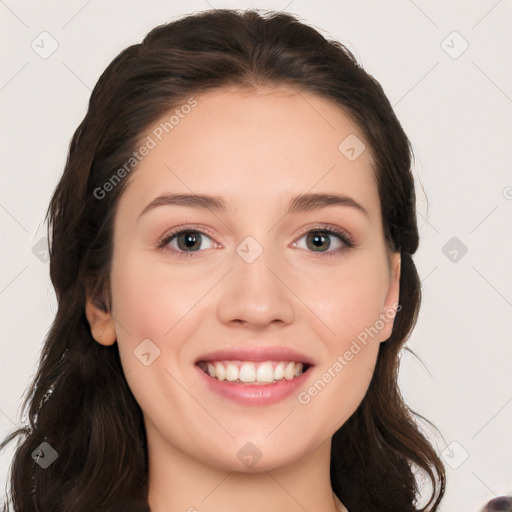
(255, 282)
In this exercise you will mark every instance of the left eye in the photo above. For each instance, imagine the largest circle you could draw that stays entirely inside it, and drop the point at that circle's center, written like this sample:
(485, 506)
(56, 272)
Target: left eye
(318, 238)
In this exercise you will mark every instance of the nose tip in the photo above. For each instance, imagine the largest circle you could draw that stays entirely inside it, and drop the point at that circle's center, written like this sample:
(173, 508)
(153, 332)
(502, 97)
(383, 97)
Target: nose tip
(499, 504)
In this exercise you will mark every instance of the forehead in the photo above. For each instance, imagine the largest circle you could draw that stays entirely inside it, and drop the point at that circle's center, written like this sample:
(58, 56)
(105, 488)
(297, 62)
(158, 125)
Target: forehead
(249, 146)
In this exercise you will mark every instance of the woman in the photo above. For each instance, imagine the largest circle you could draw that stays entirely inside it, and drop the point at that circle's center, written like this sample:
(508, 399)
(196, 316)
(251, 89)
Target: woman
(207, 353)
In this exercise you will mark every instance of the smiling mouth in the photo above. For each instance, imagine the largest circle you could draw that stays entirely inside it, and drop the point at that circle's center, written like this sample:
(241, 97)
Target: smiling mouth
(250, 372)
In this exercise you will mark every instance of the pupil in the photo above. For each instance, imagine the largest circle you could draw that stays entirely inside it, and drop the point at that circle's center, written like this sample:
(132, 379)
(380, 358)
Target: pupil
(190, 240)
(319, 239)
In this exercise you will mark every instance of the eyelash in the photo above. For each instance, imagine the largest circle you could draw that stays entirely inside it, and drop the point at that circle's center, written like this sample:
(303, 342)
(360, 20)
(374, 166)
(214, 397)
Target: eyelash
(163, 242)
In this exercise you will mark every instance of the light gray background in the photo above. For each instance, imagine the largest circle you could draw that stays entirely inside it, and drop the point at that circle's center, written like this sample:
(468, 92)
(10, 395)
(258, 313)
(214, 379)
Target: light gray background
(456, 108)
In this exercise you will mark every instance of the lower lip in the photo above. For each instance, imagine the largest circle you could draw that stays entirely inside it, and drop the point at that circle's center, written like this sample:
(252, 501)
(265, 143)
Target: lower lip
(254, 394)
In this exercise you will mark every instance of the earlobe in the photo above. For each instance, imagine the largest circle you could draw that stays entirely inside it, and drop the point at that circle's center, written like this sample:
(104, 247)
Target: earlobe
(101, 322)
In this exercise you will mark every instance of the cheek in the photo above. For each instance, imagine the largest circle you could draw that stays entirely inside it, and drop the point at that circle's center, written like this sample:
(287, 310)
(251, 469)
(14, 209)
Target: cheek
(350, 300)
(350, 304)
(149, 306)
(148, 301)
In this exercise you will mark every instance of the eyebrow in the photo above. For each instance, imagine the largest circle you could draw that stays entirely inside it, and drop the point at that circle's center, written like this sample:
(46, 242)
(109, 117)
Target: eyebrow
(301, 203)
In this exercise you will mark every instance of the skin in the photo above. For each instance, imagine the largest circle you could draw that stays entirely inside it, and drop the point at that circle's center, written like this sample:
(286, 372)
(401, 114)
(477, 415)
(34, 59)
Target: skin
(256, 149)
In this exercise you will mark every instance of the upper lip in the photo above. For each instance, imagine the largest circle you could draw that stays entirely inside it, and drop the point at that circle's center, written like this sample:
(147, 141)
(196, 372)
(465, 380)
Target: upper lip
(256, 353)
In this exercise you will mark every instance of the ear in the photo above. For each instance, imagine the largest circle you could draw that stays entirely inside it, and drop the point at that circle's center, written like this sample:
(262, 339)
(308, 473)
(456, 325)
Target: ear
(101, 322)
(390, 305)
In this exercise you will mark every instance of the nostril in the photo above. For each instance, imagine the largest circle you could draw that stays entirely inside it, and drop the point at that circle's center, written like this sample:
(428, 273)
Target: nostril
(499, 504)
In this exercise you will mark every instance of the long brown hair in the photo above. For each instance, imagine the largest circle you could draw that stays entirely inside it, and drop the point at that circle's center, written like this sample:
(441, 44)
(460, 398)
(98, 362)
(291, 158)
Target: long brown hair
(79, 402)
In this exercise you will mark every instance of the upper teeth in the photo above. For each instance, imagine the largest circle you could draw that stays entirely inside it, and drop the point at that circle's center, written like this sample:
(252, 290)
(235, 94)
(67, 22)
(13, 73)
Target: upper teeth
(247, 371)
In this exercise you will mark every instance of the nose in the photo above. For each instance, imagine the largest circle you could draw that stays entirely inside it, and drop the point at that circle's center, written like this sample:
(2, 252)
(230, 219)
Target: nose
(256, 294)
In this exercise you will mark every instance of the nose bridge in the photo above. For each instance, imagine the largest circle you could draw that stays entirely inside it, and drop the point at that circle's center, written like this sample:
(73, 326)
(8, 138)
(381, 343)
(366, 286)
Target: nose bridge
(253, 293)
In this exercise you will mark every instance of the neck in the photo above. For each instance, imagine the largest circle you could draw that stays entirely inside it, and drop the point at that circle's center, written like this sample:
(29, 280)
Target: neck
(180, 483)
